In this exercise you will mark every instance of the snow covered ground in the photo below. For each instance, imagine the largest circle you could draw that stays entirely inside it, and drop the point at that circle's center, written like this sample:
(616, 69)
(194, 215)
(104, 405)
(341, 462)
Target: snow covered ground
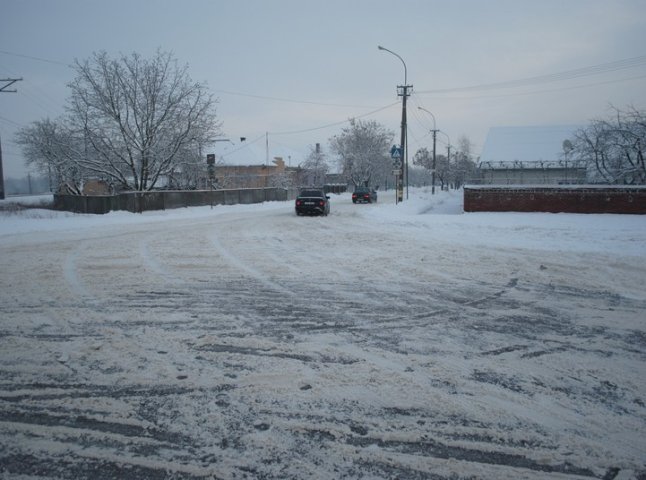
(383, 341)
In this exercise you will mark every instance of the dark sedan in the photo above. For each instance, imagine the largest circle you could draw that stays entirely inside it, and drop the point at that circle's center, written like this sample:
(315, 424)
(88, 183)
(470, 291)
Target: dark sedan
(312, 202)
(364, 195)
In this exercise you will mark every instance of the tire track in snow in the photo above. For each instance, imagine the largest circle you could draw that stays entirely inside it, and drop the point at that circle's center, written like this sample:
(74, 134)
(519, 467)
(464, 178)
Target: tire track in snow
(248, 270)
(72, 277)
(151, 263)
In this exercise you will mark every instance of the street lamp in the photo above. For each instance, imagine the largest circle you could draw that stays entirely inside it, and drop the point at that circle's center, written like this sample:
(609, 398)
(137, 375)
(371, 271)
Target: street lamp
(402, 60)
(404, 94)
(435, 130)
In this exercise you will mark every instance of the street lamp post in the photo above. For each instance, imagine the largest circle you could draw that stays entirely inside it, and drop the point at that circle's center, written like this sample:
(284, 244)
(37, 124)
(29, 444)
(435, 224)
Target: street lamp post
(435, 130)
(402, 91)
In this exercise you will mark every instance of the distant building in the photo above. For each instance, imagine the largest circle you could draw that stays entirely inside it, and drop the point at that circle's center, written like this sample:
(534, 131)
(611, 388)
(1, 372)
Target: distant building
(535, 155)
(97, 187)
(252, 176)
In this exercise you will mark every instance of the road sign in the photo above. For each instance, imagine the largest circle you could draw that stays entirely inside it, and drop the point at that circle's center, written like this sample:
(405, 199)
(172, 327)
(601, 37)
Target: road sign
(396, 152)
(210, 159)
(397, 172)
(397, 163)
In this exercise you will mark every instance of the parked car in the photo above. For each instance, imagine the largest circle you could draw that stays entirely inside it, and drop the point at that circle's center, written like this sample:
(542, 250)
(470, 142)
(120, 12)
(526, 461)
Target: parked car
(364, 195)
(312, 202)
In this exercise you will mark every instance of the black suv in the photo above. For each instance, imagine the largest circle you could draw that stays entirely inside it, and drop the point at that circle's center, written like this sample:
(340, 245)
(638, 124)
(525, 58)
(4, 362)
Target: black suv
(364, 195)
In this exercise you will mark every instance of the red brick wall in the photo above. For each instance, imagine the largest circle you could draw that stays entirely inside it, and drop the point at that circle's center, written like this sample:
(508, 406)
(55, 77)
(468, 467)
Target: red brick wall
(556, 199)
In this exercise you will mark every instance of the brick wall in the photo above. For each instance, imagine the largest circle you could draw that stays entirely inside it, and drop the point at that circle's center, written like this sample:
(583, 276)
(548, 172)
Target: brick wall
(590, 199)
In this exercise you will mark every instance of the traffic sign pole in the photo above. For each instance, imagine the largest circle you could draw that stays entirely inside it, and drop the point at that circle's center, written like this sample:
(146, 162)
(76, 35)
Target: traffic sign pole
(396, 155)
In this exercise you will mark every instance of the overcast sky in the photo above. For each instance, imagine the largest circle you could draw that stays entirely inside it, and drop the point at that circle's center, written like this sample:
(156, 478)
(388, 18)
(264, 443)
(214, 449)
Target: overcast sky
(255, 55)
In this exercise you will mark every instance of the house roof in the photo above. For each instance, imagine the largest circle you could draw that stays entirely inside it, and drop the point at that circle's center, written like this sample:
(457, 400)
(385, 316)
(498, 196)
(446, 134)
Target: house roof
(530, 144)
(254, 153)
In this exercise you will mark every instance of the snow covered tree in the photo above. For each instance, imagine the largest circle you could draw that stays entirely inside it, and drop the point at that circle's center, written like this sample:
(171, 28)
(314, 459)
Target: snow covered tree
(130, 121)
(455, 170)
(54, 150)
(423, 158)
(613, 149)
(315, 167)
(363, 152)
(139, 115)
(462, 164)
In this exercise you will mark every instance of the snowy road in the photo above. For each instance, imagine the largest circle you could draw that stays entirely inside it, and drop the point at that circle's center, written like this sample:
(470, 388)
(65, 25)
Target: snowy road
(381, 341)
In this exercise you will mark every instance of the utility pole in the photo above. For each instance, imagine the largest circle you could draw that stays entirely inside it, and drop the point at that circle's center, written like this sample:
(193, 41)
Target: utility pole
(403, 91)
(1, 176)
(448, 160)
(433, 170)
(3, 89)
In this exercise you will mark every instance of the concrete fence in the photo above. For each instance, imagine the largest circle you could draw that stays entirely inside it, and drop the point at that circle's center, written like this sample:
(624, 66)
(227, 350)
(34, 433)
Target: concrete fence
(574, 199)
(138, 202)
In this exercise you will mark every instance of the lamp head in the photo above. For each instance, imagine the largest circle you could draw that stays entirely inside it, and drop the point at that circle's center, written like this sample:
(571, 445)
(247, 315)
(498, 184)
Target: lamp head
(380, 47)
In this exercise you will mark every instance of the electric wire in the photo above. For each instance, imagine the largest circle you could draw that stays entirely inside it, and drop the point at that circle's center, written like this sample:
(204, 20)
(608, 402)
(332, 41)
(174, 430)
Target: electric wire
(290, 100)
(248, 144)
(11, 122)
(535, 92)
(54, 62)
(242, 147)
(329, 125)
(549, 78)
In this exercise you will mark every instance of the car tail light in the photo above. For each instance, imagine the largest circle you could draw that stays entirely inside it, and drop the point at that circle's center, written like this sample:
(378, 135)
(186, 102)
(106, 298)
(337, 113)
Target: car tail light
(298, 202)
(321, 203)
(366, 195)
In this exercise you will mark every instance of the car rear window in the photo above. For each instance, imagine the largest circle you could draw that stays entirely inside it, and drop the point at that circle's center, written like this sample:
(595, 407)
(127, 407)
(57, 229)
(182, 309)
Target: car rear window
(311, 193)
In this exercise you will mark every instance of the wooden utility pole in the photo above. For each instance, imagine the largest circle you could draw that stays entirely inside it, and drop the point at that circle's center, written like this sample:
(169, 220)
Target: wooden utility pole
(1, 176)
(403, 91)
(3, 88)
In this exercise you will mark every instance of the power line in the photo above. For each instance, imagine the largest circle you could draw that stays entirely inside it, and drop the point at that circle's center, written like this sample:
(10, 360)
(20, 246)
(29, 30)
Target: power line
(246, 145)
(335, 123)
(549, 78)
(55, 62)
(551, 90)
(10, 121)
(289, 100)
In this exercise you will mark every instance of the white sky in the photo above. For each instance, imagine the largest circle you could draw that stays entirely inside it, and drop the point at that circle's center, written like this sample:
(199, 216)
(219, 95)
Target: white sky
(326, 52)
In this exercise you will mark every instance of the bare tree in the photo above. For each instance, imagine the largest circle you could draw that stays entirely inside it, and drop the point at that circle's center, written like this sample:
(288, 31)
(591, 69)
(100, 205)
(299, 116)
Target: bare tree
(191, 172)
(54, 150)
(281, 180)
(614, 148)
(454, 170)
(423, 158)
(462, 164)
(138, 116)
(316, 166)
(130, 121)
(362, 150)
